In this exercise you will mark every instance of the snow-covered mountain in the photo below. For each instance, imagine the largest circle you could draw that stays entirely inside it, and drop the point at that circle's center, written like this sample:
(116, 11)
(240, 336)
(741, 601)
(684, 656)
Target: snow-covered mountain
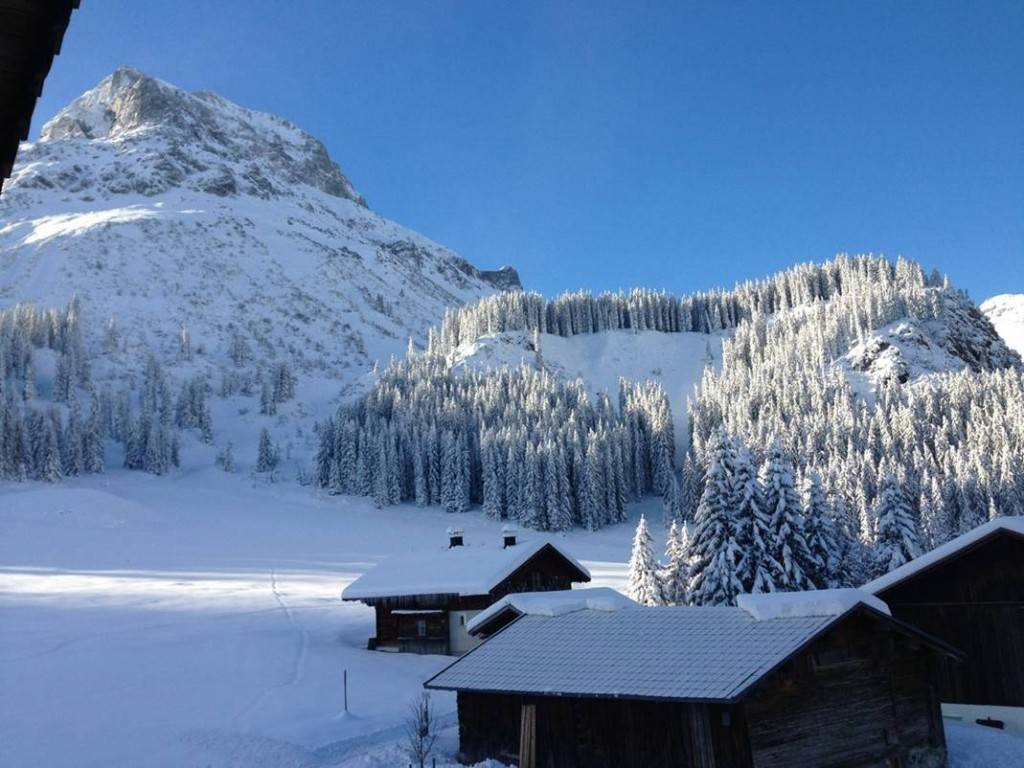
(1006, 312)
(161, 209)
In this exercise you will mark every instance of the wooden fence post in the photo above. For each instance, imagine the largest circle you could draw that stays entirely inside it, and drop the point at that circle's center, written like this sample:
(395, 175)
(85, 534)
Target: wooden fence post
(528, 737)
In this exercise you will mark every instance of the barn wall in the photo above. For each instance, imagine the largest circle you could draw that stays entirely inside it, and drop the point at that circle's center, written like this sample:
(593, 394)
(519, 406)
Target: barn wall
(603, 733)
(859, 697)
(545, 571)
(975, 603)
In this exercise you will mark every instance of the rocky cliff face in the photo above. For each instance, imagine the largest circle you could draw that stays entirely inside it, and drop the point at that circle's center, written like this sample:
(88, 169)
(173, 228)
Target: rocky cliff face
(161, 209)
(167, 139)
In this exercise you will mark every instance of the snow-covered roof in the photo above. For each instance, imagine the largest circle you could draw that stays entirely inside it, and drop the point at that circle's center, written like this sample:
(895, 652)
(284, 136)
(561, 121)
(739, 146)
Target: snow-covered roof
(680, 653)
(815, 602)
(553, 603)
(944, 551)
(464, 570)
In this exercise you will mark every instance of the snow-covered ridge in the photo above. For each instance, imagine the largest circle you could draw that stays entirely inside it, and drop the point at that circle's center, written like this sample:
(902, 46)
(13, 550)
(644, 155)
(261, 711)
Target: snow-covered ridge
(1006, 313)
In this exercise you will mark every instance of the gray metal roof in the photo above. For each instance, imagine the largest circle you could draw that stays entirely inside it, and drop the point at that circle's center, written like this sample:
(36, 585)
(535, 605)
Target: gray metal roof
(697, 654)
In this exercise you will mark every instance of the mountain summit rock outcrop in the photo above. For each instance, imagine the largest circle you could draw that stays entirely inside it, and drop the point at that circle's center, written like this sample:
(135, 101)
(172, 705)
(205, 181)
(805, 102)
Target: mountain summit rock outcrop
(161, 208)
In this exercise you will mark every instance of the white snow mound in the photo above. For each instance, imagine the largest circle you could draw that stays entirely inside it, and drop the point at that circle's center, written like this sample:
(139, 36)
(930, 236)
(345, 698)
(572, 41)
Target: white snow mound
(816, 602)
(555, 603)
(1006, 313)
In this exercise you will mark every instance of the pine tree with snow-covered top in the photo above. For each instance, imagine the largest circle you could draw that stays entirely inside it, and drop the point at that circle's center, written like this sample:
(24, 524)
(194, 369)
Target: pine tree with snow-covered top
(267, 456)
(268, 405)
(821, 535)
(898, 538)
(715, 552)
(671, 510)
(50, 466)
(688, 489)
(594, 511)
(789, 545)
(675, 577)
(642, 578)
(758, 568)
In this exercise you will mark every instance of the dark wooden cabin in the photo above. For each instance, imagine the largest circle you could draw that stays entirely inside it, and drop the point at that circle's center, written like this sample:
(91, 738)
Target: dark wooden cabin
(31, 33)
(970, 593)
(424, 600)
(701, 688)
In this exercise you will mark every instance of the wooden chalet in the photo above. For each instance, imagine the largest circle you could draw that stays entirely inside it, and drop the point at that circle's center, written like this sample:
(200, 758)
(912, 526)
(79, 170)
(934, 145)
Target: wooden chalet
(970, 593)
(31, 33)
(811, 680)
(424, 600)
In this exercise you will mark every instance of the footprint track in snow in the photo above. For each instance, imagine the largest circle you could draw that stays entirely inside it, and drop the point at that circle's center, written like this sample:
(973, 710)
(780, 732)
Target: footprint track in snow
(299, 660)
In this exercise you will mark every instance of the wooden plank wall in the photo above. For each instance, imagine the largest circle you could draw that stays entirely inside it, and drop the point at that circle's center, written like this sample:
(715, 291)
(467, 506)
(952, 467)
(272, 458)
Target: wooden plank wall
(601, 733)
(861, 698)
(976, 604)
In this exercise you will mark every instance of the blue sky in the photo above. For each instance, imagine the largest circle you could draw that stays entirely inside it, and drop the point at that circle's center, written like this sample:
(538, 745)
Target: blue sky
(606, 145)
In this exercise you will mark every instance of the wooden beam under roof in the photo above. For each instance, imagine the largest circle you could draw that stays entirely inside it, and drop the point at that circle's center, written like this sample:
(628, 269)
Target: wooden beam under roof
(31, 33)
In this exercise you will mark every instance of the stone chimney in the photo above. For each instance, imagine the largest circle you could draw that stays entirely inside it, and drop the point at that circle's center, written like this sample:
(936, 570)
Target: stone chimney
(454, 537)
(508, 535)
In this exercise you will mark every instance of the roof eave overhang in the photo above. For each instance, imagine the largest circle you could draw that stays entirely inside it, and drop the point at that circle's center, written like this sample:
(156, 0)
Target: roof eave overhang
(961, 552)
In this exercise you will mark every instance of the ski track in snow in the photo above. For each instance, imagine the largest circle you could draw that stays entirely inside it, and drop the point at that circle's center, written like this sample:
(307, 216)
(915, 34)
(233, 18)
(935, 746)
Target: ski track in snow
(298, 661)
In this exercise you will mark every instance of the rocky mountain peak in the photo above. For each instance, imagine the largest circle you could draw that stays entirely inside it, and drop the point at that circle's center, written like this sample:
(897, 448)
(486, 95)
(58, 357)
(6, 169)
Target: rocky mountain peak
(159, 137)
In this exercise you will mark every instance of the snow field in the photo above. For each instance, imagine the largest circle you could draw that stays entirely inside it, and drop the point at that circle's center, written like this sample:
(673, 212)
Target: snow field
(196, 619)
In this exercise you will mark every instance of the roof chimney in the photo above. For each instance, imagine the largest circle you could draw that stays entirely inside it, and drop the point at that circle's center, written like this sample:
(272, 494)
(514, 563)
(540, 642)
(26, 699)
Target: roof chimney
(508, 535)
(454, 537)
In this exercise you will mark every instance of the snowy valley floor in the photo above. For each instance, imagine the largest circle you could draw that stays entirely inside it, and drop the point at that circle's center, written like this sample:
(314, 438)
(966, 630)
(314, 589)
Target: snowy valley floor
(195, 620)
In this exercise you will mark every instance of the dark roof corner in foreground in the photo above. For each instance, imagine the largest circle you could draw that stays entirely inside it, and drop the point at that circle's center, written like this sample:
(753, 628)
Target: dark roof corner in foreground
(31, 34)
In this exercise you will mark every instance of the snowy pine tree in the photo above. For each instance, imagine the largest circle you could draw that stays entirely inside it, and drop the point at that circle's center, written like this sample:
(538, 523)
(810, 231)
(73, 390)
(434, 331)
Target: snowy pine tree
(787, 539)
(715, 553)
(898, 539)
(267, 456)
(758, 567)
(642, 583)
(821, 535)
(675, 576)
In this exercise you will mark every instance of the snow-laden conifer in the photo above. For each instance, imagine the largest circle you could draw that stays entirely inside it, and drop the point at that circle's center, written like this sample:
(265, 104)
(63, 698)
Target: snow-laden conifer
(898, 538)
(642, 582)
(675, 576)
(786, 527)
(715, 552)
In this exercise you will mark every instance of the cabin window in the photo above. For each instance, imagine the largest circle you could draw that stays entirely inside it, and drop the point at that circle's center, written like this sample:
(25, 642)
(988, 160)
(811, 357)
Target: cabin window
(421, 627)
(830, 657)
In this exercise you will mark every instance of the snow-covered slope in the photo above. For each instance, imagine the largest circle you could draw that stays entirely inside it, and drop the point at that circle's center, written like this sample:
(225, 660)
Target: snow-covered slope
(674, 360)
(1006, 312)
(908, 350)
(162, 208)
